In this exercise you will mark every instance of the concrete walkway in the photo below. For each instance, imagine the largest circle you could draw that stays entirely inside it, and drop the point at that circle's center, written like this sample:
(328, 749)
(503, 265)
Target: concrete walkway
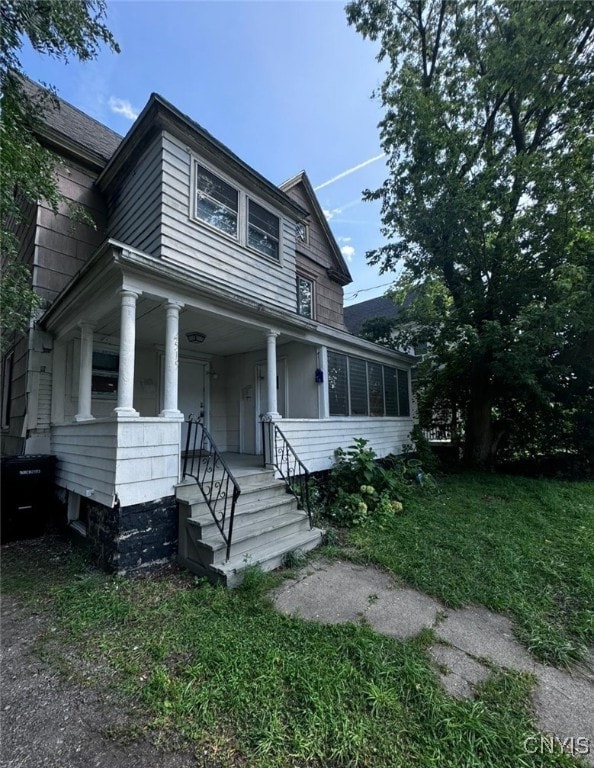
(339, 592)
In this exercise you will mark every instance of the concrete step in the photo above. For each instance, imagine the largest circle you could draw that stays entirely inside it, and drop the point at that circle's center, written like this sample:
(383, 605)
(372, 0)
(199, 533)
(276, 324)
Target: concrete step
(249, 497)
(257, 513)
(268, 556)
(247, 478)
(211, 547)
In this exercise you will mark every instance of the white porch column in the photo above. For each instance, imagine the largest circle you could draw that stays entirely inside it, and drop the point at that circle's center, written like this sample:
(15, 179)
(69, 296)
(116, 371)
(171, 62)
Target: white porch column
(85, 373)
(171, 360)
(323, 398)
(127, 343)
(271, 375)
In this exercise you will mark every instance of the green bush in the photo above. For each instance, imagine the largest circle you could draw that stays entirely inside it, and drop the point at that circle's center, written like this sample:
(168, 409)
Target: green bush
(360, 490)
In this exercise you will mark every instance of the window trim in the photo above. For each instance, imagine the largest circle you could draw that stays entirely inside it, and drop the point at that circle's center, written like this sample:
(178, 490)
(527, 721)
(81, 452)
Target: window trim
(300, 241)
(196, 161)
(273, 259)
(300, 276)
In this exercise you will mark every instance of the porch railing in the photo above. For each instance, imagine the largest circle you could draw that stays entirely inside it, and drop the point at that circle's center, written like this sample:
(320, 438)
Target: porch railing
(439, 431)
(203, 462)
(279, 454)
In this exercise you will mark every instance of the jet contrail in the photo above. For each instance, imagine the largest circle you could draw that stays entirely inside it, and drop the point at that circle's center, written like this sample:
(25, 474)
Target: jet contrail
(349, 171)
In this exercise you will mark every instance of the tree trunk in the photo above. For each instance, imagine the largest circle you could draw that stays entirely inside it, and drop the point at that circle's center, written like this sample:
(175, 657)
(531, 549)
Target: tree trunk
(479, 441)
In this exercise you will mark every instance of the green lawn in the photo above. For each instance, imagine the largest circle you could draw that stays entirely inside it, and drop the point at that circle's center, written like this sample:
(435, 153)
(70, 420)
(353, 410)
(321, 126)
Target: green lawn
(519, 546)
(227, 676)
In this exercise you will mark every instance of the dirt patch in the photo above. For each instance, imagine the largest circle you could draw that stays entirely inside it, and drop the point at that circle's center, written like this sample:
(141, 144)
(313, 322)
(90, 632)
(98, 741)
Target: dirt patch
(49, 714)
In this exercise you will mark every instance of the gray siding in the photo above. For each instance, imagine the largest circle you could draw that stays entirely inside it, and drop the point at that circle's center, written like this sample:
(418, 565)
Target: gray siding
(201, 249)
(135, 204)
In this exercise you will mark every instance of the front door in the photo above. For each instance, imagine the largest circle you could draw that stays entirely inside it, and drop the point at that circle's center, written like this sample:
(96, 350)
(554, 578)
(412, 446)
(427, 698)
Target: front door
(191, 393)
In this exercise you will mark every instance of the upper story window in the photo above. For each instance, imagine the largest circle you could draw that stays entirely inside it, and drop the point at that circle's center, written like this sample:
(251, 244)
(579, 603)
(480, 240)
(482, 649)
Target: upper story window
(263, 230)
(216, 201)
(302, 232)
(304, 297)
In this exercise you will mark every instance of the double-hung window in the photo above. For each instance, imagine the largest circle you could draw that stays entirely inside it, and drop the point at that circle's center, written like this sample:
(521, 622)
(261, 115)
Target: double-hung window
(216, 201)
(360, 387)
(263, 230)
(304, 297)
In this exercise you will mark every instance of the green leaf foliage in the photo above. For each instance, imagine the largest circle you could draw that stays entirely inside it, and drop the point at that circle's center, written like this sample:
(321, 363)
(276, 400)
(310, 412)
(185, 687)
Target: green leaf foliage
(27, 169)
(489, 108)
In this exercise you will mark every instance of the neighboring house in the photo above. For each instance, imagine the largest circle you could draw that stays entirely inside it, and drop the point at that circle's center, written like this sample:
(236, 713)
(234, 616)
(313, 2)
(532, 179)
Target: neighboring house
(204, 289)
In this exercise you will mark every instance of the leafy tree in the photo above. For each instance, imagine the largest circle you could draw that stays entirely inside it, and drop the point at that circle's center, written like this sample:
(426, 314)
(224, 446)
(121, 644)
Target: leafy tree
(61, 29)
(489, 108)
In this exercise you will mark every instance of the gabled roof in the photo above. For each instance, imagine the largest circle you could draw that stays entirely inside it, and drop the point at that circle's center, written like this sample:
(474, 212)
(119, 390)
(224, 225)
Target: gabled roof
(382, 306)
(160, 114)
(68, 128)
(342, 274)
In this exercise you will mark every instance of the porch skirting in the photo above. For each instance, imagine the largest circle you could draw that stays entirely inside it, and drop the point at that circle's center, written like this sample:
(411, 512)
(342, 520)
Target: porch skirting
(126, 540)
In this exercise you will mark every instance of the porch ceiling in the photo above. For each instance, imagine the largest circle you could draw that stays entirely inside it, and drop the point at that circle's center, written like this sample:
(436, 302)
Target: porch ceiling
(223, 335)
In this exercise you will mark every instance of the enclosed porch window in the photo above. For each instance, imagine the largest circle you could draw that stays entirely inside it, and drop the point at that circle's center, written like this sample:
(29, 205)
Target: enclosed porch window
(358, 387)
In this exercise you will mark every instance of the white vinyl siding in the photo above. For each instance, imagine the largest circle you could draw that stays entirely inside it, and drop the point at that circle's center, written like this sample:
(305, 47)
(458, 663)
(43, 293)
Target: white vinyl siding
(315, 441)
(135, 461)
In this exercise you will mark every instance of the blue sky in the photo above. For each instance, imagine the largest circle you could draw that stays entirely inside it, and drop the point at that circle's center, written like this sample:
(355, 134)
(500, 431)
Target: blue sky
(285, 85)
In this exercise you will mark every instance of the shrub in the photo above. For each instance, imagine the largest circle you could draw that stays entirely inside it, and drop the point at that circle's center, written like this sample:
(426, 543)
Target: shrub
(360, 490)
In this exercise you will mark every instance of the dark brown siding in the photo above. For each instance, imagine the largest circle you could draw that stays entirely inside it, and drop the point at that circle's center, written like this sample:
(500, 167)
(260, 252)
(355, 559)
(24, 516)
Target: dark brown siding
(65, 244)
(313, 261)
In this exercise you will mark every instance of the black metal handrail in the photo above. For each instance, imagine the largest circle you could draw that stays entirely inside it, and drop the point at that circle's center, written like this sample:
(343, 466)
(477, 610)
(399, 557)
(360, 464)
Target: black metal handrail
(203, 462)
(279, 454)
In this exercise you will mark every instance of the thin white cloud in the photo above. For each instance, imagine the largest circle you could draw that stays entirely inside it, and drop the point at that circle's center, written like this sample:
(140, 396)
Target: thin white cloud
(122, 107)
(342, 239)
(348, 252)
(349, 171)
(330, 214)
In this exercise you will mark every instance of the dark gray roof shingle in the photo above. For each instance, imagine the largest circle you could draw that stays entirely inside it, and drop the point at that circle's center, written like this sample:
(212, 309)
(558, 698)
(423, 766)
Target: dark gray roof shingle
(357, 314)
(80, 129)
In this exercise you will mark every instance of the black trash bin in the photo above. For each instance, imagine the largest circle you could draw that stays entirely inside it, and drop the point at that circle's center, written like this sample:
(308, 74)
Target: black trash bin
(27, 495)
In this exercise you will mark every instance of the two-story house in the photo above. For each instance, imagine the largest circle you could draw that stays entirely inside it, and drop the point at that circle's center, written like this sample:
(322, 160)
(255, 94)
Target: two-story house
(203, 290)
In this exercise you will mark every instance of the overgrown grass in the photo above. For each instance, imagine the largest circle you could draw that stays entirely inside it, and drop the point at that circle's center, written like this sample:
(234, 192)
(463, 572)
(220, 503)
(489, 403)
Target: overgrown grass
(519, 546)
(245, 685)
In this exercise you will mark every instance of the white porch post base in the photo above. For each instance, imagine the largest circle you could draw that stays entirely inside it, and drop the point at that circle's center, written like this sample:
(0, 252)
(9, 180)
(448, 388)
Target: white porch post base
(125, 413)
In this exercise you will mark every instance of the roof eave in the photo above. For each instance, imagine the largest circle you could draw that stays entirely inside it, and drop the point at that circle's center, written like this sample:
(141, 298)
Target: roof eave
(302, 178)
(163, 115)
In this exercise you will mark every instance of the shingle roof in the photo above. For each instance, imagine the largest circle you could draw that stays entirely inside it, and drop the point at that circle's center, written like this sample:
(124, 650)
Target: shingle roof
(357, 314)
(80, 129)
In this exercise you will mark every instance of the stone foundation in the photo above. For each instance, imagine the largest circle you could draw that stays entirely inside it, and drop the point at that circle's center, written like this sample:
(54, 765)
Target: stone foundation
(127, 540)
